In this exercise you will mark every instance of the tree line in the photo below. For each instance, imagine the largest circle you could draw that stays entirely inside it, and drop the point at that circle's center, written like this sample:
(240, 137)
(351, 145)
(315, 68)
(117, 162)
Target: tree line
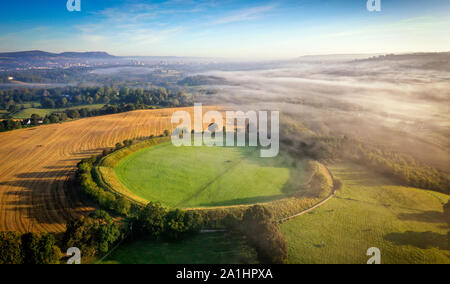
(75, 96)
(30, 248)
(131, 101)
(401, 168)
(97, 233)
(87, 179)
(93, 235)
(69, 114)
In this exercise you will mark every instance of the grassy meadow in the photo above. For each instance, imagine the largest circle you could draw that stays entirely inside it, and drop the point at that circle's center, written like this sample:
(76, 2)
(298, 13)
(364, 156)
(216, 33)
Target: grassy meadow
(190, 177)
(27, 112)
(216, 248)
(406, 224)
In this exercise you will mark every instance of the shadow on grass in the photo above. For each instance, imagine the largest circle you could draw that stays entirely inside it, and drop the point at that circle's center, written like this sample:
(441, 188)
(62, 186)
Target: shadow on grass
(244, 201)
(423, 240)
(216, 248)
(424, 216)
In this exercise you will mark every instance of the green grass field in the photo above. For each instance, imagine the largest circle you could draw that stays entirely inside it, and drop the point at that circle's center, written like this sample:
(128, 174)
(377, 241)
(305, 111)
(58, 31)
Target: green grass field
(210, 248)
(191, 177)
(26, 113)
(406, 224)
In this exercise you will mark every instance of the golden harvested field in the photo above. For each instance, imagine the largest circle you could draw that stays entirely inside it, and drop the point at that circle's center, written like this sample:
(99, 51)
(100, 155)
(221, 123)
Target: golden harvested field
(36, 164)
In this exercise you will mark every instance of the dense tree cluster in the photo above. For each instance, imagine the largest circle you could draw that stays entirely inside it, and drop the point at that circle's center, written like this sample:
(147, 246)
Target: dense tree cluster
(155, 221)
(72, 96)
(30, 248)
(404, 169)
(94, 234)
(10, 124)
(16, 97)
(262, 232)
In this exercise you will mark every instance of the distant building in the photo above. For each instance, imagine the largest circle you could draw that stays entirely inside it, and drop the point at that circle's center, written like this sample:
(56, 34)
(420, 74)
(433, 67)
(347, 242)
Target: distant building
(26, 122)
(10, 78)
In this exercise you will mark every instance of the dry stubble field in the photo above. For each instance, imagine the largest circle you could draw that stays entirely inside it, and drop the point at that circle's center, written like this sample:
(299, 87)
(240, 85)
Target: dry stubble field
(37, 163)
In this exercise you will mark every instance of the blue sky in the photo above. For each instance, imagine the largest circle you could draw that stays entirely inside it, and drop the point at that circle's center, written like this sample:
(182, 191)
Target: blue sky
(226, 28)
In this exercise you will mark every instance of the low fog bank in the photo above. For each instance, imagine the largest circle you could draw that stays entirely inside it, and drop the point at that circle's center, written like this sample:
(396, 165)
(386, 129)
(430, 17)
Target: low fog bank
(397, 101)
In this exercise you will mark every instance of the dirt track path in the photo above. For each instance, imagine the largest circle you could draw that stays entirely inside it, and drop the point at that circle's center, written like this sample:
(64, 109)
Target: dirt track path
(307, 210)
(36, 163)
(333, 193)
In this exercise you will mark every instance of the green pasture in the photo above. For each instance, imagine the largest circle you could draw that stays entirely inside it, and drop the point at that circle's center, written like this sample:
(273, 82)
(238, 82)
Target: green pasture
(191, 177)
(405, 223)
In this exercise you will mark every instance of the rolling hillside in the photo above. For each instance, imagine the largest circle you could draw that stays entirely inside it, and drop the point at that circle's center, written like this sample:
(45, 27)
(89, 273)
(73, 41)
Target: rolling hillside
(406, 224)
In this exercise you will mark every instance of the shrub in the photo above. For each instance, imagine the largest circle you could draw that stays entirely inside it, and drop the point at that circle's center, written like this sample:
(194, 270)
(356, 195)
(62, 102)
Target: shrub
(127, 143)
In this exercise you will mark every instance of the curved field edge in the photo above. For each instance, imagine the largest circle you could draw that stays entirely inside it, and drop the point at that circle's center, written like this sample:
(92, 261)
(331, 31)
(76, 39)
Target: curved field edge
(405, 223)
(36, 192)
(106, 177)
(186, 177)
(291, 205)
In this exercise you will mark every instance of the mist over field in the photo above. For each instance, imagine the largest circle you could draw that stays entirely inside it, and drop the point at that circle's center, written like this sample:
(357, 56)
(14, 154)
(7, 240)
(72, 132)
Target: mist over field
(398, 101)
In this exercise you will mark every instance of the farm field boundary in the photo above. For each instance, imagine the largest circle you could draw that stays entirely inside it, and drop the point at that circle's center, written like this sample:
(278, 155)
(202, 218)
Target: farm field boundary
(283, 208)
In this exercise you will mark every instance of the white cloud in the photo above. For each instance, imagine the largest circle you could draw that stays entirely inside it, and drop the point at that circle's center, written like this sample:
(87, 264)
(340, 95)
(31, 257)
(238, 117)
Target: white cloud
(245, 15)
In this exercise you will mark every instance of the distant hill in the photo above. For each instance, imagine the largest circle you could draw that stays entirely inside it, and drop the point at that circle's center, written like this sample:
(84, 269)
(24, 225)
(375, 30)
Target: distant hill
(37, 54)
(412, 56)
(422, 60)
(334, 57)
